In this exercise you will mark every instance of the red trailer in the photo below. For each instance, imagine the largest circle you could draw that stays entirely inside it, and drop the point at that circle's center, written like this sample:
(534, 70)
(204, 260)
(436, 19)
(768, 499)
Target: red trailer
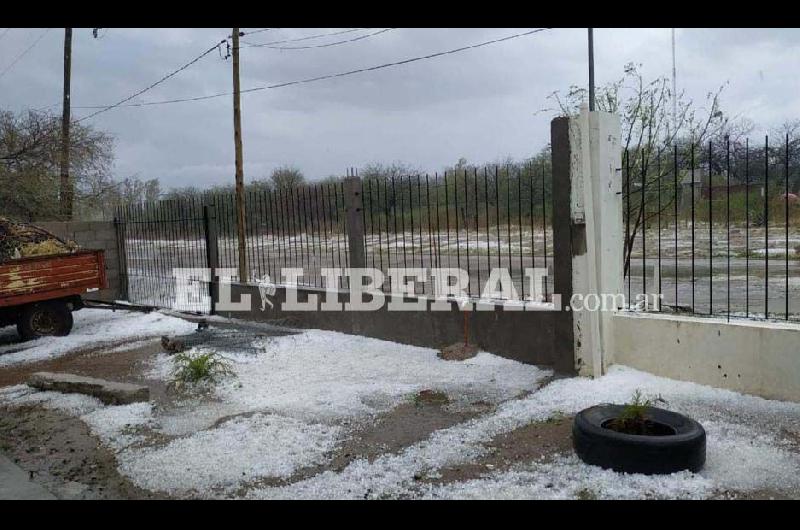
(38, 294)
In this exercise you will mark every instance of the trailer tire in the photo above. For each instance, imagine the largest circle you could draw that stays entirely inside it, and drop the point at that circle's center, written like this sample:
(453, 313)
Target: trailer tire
(44, 319)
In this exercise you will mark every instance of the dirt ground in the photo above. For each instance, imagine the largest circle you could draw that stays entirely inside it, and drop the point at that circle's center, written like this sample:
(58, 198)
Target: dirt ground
(60, 453)
(57, 449)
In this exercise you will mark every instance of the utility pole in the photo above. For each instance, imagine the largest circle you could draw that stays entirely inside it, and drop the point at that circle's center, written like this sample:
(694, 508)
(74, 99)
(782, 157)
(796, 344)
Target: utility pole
(237, 140)
(674, 88)
(591, 70)
(66, 185)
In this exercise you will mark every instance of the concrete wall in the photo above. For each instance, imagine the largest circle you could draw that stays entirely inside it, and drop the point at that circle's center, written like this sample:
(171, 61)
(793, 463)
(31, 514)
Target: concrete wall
(101, 235)
(526, 336)
(759, 358)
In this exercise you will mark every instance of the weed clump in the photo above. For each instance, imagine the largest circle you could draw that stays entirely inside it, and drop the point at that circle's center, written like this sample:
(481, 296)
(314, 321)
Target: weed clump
(191, 368)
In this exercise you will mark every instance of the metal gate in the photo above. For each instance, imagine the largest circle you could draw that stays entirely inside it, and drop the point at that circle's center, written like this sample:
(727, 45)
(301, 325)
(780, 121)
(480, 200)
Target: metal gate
(160, 243)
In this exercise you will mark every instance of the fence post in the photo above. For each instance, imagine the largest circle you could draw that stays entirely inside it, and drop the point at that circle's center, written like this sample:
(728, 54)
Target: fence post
(587, 229)
(122, 258)
(212, 253)
(354, 206)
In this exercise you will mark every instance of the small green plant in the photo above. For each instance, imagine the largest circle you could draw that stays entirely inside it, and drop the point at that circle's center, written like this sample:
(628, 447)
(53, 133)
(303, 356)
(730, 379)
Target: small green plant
(194, 367)
(633, 418)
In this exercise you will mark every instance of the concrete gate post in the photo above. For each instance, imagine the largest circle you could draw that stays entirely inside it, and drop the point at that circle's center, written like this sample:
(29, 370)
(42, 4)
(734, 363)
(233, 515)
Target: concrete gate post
(587, 229)
(354, 206)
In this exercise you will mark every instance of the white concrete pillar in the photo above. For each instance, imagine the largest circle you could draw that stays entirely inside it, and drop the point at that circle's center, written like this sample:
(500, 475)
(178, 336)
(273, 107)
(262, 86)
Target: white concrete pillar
(596, 204)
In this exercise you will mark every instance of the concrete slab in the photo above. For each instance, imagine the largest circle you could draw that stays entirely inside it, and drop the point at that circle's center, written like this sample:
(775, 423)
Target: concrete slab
(109, 392)
(16, 485)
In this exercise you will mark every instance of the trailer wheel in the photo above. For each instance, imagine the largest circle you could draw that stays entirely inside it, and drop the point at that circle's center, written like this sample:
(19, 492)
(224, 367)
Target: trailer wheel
(44, 319)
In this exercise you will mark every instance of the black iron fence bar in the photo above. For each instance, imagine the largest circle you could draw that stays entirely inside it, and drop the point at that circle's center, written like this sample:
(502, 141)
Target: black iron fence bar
(307, 252)
(388, 245)
(710, 233)
(692, 186)
(486, 211)
(627, 253)
(786, 225)
(747, 227)
(519, 228)
(411, 212)
(420, 224)
(508, 217)
(319, 243)
(728, 224)
(675, 209)
(463, 210)
(658, 210)
(766, 227)
(643, 213)
(533, 230)
(477, 225)
(497, 211)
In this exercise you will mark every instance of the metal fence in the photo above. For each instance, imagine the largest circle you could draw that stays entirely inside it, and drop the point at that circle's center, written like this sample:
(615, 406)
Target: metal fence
(301, 226)
(156, 238)
(713, 228)
(474, 219)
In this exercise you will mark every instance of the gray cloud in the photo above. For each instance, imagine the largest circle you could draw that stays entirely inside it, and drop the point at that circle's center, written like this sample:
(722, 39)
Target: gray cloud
(481, 104)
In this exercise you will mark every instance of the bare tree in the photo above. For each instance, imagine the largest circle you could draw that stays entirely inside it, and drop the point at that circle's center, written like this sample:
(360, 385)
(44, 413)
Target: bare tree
(652, 139)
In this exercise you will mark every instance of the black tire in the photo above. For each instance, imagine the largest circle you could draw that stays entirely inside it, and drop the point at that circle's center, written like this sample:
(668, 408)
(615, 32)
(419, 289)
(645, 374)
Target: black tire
(630, 453)
(44, 319)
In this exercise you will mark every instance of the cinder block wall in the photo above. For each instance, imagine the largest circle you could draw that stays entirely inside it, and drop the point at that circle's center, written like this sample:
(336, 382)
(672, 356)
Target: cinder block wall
(100, 235)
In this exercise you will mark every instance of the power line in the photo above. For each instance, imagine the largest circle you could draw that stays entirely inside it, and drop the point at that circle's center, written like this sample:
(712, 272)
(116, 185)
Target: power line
(142, 91)
(310, 37)
(21, 55)
(163, 79)
(327, 45)
(331, 76)
(259, 31)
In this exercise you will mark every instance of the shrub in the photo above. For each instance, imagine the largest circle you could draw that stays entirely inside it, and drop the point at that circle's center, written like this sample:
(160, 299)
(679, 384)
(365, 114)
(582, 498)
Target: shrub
(194, 367)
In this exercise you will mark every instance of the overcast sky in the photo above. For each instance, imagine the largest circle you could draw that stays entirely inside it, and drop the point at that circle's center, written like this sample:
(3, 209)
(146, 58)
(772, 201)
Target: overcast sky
(480, 104)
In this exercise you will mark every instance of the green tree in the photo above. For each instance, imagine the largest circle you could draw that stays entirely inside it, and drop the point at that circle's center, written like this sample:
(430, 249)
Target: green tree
(287, 177)
(29, 174)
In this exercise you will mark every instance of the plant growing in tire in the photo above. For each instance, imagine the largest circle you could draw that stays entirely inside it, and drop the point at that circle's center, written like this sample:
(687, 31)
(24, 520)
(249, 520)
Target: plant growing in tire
(639, 438)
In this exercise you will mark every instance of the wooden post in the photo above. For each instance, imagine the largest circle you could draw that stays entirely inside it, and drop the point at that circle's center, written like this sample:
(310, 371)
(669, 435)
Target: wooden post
(237, 140)
(66, 184)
